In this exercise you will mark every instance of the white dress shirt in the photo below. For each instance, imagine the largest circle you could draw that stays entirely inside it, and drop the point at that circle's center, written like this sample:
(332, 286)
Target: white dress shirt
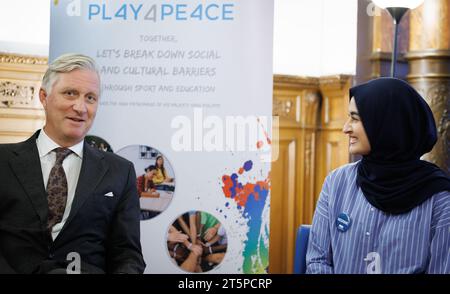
(71, 166)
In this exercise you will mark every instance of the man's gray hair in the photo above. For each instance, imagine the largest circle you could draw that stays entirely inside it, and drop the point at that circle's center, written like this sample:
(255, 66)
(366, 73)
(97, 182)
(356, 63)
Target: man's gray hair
(66, 63)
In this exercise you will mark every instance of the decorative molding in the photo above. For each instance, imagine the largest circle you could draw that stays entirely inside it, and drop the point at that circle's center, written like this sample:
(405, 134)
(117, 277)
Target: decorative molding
(309, 154)
(39, 115)
(312, 97)
(310, 106)
(326, 110)
(436, 76)
(12, 94)
(295, 97)
(387, 56)
(305, 83)
(429, 54)
(22, 59)
(337, 82)
(430, 64)
(331, 153)
(283, 107)
(16, 133)
(297, 82)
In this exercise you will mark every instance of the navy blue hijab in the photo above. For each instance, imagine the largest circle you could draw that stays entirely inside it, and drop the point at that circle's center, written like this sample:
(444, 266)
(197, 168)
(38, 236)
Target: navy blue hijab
(400, 127)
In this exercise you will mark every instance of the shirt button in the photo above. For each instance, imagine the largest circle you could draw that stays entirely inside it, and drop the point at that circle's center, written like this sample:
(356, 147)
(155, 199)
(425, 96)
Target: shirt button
(367, 234)
(372, 209)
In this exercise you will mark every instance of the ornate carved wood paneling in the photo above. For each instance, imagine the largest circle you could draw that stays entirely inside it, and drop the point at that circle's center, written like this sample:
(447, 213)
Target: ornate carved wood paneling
(285, 177)
(332, 144)
(296, 102)
(20, 110)
(301, 165)
(15, 95)
(16, 59)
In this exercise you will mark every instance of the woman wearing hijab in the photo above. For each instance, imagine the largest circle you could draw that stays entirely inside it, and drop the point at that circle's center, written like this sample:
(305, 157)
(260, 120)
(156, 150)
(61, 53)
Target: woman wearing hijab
(390, 211)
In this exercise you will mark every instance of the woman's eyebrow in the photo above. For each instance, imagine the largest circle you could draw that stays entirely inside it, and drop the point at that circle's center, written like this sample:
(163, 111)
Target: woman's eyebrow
(354, 113)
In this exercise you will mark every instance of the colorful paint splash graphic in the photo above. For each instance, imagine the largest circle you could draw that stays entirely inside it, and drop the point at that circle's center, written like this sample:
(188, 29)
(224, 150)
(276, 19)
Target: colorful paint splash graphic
(251, 199)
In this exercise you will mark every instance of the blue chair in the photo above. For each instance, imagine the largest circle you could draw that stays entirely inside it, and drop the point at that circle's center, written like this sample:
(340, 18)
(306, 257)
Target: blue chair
(301, 245)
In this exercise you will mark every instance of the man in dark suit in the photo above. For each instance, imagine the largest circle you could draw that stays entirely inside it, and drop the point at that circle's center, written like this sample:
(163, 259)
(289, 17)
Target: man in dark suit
(65, 206)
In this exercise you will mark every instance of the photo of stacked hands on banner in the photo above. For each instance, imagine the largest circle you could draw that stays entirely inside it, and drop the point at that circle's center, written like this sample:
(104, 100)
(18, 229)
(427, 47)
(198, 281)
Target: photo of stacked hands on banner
(197, 242)
(155, 181)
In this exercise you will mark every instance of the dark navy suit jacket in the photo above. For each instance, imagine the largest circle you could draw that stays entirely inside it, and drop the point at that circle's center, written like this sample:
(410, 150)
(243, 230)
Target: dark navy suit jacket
(104, 231)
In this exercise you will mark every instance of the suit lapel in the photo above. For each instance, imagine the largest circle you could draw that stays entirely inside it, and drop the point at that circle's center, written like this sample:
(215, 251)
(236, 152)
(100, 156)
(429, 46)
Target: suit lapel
(93, 169)
(27, 168)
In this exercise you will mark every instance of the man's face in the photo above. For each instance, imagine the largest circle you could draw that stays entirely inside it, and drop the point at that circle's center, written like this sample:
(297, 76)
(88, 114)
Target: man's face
(359, 143)
(71, 106)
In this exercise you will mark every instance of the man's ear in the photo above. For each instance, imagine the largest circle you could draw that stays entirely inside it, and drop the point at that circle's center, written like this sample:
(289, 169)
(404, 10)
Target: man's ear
(43, 97)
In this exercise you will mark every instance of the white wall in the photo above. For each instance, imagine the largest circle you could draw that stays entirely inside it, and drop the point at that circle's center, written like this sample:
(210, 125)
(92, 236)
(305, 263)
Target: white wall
(315, 37)
(25, 26)
(311, 37)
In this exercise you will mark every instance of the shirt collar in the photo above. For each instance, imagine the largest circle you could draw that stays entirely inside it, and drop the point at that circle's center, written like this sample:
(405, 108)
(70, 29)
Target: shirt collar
(46, 145)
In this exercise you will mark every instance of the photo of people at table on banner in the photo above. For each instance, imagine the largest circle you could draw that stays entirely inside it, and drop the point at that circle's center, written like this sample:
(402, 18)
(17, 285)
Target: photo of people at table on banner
(155, 178)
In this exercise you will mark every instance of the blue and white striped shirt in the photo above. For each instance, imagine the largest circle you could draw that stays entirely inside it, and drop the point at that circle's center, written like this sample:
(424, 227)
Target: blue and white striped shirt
(376, 242)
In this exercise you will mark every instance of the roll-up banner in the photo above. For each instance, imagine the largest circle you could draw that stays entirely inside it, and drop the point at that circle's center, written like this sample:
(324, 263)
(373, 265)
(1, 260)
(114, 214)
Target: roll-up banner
(186, 96)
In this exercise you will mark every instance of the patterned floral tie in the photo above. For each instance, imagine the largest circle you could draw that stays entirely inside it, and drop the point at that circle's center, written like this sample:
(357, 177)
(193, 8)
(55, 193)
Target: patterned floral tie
(57, 189)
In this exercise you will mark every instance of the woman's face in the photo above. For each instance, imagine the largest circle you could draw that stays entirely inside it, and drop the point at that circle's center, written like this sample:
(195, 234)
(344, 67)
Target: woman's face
(159, 162)
(353, 127)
